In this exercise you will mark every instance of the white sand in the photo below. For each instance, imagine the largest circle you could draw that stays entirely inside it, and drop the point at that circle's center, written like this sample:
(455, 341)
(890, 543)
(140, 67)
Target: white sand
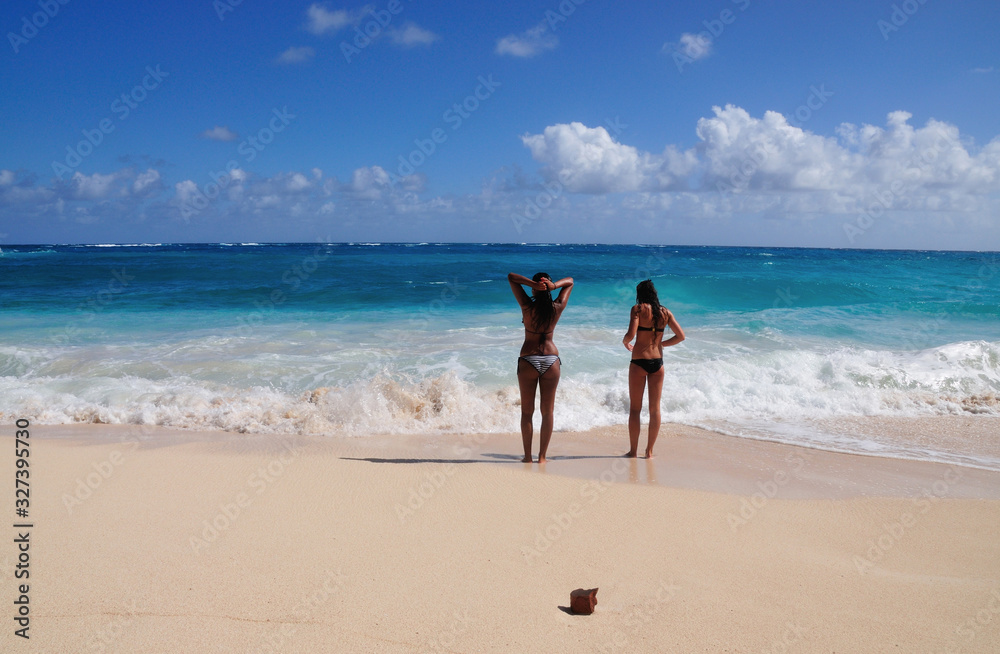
(348, 545)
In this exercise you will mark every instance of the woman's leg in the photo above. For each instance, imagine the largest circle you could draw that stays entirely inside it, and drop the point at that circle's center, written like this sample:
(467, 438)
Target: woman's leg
(655, 390)
(527, 379)
(636, 387)
(548, 383)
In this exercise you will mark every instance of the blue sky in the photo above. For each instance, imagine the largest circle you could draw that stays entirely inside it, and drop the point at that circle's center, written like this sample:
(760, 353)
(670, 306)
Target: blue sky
(735, 122)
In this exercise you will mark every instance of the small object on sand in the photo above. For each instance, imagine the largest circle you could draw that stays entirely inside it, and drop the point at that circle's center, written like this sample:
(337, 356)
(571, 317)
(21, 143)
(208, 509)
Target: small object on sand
(583, 601)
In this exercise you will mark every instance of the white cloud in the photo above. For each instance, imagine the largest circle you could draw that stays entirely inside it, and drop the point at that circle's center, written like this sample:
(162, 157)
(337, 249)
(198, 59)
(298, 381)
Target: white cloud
(220, 133)
(146, 181)
(92, 187)
(588, 160)
(297, 182)
(320, 20)
(694, 46)
(772, 165)
(369, 182)
(768, 153)
(983, 71)
(24, 193)
(185, 191)
(528, 43)
(294, 55)
(411, 35)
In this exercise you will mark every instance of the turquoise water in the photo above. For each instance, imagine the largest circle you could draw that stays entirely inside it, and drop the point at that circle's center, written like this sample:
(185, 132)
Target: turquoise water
(375, 338)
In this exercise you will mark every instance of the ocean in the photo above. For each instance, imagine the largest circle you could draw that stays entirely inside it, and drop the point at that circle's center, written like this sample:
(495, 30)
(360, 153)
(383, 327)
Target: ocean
(365, 339)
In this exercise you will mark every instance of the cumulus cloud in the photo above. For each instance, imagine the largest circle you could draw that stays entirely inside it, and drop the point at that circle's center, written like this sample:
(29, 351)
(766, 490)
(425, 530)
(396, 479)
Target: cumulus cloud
(220, 133)
(588, 160)
(411, 35)
(23, 192)
(774, 163)
(294, 55)
(146, 182)
(92, 187)
(693, 46)
(369, 182)
(781, 156)
(186, 191)
(297, 182)
(529, 43)
(321, 20)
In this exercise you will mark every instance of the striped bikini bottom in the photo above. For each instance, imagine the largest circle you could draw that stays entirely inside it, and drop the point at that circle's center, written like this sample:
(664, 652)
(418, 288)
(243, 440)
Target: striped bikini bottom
(541, 362)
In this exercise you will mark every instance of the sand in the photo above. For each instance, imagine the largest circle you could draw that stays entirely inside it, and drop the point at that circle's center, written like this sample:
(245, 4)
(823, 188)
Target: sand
(164, 541)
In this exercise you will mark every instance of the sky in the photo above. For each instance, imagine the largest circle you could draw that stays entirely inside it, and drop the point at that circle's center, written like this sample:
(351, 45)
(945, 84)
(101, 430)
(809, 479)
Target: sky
(854, 124)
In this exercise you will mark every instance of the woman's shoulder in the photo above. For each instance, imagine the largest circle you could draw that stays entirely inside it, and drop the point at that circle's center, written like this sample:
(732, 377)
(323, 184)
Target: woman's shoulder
(642, 310)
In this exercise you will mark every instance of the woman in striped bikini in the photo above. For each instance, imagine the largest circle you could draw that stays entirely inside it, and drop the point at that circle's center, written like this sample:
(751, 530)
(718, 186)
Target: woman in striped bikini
(538, 366)
(647, 360)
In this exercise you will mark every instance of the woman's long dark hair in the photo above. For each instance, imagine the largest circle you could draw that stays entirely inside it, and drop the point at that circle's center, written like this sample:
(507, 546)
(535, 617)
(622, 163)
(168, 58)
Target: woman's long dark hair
(542, 310)
(645, 293)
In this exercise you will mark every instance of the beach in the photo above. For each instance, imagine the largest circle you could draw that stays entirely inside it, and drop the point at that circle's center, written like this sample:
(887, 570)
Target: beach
(148, 539)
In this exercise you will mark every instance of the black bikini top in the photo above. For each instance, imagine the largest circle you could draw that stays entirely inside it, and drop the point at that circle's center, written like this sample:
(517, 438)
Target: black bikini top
(652, 329)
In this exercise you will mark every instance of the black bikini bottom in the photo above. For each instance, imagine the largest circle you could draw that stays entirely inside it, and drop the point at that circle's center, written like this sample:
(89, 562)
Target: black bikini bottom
(649, 365)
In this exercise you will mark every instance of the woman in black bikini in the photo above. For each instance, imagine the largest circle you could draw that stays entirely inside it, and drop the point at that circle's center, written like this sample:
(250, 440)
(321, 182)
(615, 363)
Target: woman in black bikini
(538, 365)
(647, 360)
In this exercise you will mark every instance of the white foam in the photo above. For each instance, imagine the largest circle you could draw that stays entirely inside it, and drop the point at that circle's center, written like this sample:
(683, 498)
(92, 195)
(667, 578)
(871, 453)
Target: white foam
(286, 380)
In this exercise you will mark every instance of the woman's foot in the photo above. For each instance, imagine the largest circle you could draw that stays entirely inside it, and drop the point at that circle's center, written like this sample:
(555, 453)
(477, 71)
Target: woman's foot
(649, 454)
(526, 459)
(630, 454)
